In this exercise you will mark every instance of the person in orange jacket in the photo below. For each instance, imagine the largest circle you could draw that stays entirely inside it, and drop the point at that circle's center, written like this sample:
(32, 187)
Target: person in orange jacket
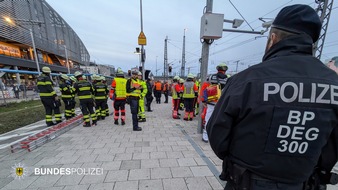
(175, 94)
(211, 93)
(158, 91)
(119, 95)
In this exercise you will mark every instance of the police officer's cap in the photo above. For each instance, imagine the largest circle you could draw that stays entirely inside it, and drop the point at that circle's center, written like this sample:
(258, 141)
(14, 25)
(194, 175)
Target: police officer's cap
(335, 59)
(46, 69)
(64, 76)
(299, 19)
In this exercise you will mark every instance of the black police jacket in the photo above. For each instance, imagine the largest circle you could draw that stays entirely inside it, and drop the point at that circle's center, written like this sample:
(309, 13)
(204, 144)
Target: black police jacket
(274, 118)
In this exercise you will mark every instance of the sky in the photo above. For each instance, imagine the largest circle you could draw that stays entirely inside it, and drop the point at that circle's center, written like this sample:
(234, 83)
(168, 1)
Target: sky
(110, 28)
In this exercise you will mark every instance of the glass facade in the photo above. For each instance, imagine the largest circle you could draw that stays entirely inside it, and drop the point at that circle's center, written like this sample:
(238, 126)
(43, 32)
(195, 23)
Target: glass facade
(52, 34)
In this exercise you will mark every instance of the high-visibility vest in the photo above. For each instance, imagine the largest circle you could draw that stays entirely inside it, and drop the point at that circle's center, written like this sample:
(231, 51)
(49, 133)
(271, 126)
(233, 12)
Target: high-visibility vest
(120, 89)
(189, 90)
(134, 83)
(214, 92)
(45, 87)
(174, 93)
(144, 89)
(158, 86)
(66, 90)
(100, 91)
(84, 89)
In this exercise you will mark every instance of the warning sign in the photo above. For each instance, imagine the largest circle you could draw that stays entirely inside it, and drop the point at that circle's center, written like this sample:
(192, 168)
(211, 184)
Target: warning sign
(142, 40)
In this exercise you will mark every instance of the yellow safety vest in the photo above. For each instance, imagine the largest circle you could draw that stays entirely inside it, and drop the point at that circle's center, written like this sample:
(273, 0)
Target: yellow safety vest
(135, 83)
(120, 89)
(189, 90)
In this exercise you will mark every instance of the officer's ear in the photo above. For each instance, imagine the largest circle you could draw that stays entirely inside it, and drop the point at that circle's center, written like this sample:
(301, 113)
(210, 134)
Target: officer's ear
(274, 39)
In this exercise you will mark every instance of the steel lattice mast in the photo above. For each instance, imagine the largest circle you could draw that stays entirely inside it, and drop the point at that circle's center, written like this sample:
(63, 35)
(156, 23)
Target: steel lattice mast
(324, 11)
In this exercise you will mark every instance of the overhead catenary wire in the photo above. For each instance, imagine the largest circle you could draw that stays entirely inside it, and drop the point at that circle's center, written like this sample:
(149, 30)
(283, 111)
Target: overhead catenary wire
(241, 15)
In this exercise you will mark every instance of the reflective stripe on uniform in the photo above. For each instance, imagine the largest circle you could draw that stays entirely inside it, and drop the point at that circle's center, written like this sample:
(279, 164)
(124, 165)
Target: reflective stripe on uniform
(66, 96)
(47, 94)
(44, 83)
(85, 88)
(85, 97)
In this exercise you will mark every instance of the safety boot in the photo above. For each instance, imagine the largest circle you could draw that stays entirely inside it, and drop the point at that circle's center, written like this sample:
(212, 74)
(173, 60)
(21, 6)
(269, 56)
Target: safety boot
(86, 124)
(205, 136)
(116, 122)
(123, 122)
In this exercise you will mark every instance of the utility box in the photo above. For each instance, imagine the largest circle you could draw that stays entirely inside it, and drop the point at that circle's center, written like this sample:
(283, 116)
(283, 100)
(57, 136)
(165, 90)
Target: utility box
(212, 26)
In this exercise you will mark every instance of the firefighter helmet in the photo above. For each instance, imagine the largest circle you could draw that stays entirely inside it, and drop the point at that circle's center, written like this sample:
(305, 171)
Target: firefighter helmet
(102, 78)
(72, 78)
(64, 76)
(190, 76)
(94, 77)
(77, 73)
(222, 67)
(176, 77)
(134, 72)
(119, 72)
(46, 70)
(181, 80)
(139, 73)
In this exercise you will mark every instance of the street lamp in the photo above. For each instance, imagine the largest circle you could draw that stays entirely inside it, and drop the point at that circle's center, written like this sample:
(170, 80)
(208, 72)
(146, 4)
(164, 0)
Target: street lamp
(9, 20)
(142, 48)
(67, 59)
(138, 52)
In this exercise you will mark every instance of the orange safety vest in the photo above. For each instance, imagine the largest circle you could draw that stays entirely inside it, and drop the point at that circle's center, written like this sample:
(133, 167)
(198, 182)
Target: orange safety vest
(158, 86)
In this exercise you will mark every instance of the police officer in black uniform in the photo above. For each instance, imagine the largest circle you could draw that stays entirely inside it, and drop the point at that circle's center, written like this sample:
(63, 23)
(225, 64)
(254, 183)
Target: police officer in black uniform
(277, 121)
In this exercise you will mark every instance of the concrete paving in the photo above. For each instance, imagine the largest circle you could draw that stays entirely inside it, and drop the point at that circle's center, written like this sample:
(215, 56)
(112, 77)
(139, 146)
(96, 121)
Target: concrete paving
(167, 155)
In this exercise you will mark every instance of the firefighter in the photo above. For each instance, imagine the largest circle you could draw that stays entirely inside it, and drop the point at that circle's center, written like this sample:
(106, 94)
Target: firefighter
(175, 93)
(211, 91)
(189, 92)
(73, 102)
(100, 95)
(49, 97)
(144, 90)
(104, 81)
(118, 94)
(67, 94)
(85, 90)
(166, 91)
(133, 88)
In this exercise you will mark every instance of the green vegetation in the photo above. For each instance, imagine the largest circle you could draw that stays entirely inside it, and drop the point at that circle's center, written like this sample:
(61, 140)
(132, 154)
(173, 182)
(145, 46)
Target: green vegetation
(16, 115)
